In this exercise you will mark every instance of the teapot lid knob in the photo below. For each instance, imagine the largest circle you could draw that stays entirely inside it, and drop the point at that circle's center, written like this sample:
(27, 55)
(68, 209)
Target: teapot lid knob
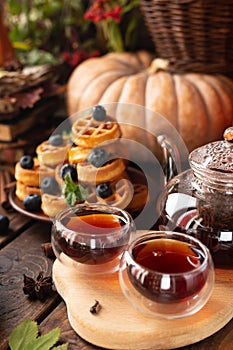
(228, 135)
(215, 156)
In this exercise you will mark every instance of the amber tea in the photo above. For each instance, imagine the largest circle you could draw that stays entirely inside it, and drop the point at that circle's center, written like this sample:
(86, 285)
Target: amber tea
(168, 258)
(166, 274)
(91, 234)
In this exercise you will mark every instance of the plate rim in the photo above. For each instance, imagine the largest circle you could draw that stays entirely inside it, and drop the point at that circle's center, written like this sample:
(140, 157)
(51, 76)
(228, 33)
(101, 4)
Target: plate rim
(32, 214)
(41, 216)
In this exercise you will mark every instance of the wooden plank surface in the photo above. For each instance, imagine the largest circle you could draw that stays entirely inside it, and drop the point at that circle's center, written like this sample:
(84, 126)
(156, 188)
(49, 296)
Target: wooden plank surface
(23, 255)
(18, 224)
(57, 318)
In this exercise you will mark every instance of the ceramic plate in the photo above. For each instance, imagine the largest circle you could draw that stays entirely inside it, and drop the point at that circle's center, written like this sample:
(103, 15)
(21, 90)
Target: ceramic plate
(135, 175)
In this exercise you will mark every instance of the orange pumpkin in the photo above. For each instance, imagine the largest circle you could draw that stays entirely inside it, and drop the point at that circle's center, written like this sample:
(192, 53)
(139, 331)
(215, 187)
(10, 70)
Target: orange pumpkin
(199, 106)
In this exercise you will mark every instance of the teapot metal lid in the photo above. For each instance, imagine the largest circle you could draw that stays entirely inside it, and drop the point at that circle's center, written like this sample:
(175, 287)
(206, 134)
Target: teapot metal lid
(214, 157)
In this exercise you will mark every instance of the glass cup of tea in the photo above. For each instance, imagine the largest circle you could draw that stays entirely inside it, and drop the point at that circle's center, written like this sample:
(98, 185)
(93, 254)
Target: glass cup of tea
(91, 237)
(166, 275)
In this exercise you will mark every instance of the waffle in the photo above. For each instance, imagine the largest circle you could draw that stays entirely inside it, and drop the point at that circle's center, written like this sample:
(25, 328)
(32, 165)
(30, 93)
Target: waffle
(57, 176)
(51, 205)
(52, 155)
(122, 194)
(28, 180)
(23, 190)
(88, 173)
(88, 133)
(46, 171)
(78, 154)
(29, 177)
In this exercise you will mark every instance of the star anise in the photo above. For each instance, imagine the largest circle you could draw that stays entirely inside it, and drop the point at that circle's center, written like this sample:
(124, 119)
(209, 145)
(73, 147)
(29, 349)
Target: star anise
(40, 288)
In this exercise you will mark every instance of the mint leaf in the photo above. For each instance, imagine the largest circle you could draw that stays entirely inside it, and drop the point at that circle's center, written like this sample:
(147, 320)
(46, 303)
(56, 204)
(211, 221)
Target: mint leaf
(23, 334)
(68, 186)
(72, 192)
(81, 193)
(71, 199)
(69, 182)
(44, 342)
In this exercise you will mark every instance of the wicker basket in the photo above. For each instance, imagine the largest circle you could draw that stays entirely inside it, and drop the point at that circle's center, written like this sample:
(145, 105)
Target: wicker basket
(194, 35)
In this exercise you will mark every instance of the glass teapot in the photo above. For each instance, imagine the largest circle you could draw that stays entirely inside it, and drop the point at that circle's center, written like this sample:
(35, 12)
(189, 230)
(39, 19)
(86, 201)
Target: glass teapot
(199, 201)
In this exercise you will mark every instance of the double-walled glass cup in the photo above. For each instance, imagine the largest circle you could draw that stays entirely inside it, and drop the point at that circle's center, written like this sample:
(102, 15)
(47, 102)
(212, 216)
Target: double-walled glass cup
(167, 275)
(91, 237)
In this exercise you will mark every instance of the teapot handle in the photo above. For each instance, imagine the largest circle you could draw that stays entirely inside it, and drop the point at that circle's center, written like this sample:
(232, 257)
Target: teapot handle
(171, 163)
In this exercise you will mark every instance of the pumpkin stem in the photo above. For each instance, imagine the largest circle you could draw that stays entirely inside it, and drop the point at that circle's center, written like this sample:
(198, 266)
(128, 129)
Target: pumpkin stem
(157, 64)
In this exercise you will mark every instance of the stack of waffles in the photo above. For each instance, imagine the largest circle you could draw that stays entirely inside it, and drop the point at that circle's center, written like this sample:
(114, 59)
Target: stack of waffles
(96, 159)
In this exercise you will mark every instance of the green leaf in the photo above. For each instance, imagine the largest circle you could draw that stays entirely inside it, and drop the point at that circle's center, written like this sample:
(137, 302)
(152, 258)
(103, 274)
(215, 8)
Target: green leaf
(24, 333)
(81, 193)
(61, 347)
(44, 342)
(25, 337)
(130, 6)
(71, 199)
(130, 30)
(73, 192)
(70, 185)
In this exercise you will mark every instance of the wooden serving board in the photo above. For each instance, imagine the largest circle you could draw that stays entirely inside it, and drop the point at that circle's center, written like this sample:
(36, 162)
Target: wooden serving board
(119, 326)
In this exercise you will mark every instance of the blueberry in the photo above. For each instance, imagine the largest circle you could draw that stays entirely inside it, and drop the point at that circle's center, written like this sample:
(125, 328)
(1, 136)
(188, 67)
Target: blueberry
(98, 157)
(69, 168)
(56, 140)
(99, 113)
(104, 190)
(32, 202)
(49, 185)
(27, 162)
(4, 224)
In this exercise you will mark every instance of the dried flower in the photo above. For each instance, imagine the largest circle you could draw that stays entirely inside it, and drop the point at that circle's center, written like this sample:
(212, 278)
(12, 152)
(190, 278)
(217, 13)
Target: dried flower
(78, 56)
(107, 15)
(40, 288)
(102, 10)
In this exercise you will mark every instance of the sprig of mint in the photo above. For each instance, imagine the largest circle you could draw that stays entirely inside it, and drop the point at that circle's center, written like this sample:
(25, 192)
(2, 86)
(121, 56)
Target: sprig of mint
(25, 336)
(72, 192)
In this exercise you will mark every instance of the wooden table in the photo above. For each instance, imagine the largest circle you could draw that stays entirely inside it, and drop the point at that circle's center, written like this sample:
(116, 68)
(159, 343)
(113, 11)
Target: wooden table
(21, 253)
